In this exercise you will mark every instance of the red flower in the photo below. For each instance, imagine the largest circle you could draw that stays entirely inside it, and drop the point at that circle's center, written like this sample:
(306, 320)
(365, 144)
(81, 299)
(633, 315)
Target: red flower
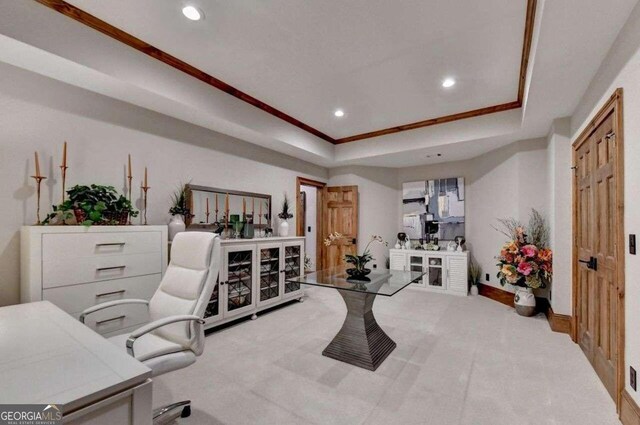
(525, 268)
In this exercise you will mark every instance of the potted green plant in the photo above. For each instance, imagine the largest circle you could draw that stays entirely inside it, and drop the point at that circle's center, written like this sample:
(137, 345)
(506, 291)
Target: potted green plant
(179, 211)
(359, 271)
(475, 271)
(284, 215)
(95, 204)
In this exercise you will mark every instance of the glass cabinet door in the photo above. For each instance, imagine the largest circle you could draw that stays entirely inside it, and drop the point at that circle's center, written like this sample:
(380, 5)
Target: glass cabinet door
(435, 274)
(239, 268)
(293, 266)
(212, 312)
(269, 272)
(417, 264)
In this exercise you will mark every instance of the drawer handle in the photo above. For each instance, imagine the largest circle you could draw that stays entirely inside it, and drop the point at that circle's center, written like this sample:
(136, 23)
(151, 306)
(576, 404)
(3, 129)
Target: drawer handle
(111, 244)
(113, 319)
(105, 294)
(101, 269)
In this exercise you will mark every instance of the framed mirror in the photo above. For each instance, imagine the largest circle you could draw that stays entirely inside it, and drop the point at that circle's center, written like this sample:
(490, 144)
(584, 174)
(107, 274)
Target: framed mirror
(209, 205)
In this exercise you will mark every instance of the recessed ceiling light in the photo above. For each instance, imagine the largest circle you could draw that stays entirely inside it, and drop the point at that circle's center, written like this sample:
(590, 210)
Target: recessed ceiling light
(192, 12)
(339, 113)
(449, 82)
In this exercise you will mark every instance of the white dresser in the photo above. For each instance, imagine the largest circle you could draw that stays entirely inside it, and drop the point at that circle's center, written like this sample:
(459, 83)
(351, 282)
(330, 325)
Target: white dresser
(445, 271)
(253, 277)
(76, 267)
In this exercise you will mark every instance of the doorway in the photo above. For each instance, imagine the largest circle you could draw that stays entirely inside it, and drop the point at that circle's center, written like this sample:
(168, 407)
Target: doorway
(308, 219)
(599, 245)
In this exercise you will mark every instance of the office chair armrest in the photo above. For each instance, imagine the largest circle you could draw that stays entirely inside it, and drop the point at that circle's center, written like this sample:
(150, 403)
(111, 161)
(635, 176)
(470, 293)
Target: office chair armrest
(158, 324)
(109, 304)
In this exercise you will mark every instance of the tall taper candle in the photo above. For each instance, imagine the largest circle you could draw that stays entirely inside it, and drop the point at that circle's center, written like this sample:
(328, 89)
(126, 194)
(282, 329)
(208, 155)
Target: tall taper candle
(129, 175)
(64, 155)
(146, 182)
(244, 206)
(37, 164)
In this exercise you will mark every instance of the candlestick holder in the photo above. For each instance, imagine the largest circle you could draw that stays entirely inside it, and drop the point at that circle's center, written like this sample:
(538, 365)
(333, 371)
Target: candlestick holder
(38, 180)
(227, 229)
(207, 217)
(63, 172)
(144, 190)
(129, 177)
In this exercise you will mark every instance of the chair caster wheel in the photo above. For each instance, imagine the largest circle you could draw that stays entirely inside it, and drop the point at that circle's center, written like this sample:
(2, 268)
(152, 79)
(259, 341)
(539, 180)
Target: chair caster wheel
(186, 412)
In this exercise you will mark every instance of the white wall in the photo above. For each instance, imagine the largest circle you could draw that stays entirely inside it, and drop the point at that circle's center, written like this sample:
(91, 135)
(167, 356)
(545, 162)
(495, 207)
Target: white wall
(507, 182)
(378, 204)
(311, 221)
(37, 113)
(621, 68)
(560, 217)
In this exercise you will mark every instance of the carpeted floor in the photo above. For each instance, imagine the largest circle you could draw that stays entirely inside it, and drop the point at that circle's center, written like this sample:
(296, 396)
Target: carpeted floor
(467, 361)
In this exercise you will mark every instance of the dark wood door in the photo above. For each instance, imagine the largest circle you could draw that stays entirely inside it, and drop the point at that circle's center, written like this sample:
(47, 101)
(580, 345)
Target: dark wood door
(339, 214)
(597, 267)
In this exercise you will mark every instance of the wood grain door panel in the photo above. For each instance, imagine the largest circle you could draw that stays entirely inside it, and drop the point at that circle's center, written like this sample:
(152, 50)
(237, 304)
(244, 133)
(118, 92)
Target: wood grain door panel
(596, 232)
(340, 214)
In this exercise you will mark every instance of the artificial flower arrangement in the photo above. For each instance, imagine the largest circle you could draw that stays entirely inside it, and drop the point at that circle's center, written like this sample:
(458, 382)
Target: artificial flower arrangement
(359, 270)
(525, 260)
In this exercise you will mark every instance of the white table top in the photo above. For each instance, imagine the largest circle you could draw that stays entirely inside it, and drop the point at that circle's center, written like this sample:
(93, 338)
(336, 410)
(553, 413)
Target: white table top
(46, 356)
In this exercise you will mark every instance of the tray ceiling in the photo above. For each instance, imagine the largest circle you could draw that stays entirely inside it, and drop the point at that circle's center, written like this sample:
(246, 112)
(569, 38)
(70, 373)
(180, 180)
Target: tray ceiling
(380, 63)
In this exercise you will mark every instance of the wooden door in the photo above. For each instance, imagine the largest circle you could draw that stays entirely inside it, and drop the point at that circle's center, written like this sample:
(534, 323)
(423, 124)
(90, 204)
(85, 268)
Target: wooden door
(598, 254)
(339, 214)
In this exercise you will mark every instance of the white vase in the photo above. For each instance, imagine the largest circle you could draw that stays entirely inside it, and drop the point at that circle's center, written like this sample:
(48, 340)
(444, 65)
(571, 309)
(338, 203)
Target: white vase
(474, 289)
(525, 302)
(284, 228)
(176, 225)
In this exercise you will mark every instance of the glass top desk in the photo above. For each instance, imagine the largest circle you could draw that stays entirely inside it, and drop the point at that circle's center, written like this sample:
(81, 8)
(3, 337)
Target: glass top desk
(361, 341)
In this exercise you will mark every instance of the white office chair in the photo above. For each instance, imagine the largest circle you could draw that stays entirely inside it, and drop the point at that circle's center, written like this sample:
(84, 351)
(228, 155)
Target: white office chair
(175, 336)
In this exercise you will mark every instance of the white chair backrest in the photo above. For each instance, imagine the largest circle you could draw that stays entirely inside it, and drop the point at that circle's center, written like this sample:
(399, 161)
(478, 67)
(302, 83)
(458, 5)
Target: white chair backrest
(187, 286)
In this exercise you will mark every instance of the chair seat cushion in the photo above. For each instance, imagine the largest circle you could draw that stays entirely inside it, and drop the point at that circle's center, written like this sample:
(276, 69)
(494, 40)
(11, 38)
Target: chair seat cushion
(147, 346)
(170, 362)
(157, 353)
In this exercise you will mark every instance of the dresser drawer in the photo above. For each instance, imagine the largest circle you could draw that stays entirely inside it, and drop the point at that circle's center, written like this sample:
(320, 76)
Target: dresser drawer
(76, 298)
(64, 272)
(70, 246)
(117, 318)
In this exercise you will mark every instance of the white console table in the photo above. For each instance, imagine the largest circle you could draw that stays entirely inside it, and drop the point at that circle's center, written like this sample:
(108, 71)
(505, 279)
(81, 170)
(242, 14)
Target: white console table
(445, 271)
(48, 357)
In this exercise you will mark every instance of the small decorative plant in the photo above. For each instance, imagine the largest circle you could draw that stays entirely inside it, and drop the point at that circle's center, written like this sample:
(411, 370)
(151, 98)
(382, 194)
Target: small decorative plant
(285, 213)
(359, 262)
(179, 202)
(475, 271)
(308, 264)
(95, 204)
